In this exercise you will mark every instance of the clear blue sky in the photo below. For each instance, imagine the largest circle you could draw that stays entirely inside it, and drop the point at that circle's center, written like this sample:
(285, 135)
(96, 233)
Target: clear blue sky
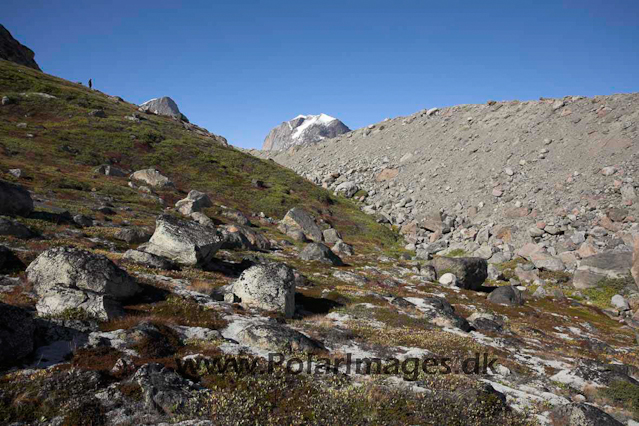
(240, 68)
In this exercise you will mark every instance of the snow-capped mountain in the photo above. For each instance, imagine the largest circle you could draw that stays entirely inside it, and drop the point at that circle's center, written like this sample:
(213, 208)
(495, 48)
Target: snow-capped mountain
(303, 130)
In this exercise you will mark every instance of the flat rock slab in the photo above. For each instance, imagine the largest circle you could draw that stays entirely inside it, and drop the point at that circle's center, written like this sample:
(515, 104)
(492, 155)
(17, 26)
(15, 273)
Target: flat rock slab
(184, 242)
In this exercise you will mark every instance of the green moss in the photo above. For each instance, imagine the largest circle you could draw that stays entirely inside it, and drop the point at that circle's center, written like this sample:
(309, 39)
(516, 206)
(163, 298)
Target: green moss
(624, 393)
(604, 291)
(77, 314)
(456, 253)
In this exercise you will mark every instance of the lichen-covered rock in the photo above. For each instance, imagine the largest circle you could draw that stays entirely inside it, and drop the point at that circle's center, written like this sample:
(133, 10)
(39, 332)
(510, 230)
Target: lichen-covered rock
(348, 189)
(471, 272)
(320, 253)
(331, 236)
(16, 334)
(298, 218)
(236, 216)
(132, 235)
(580, 414)
(194, 202)
(80, 269)
(14, 200)
(184, 242)
(600, 266)
(147, 259)
(269, 286)
(163, 390)
(243, 237)
(506, 295)
(152, 178)
(58, 300)
(442, 313)
(276, 337)
(341, 247)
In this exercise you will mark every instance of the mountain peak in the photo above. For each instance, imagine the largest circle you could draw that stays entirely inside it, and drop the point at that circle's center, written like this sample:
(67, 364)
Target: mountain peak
(304, 130)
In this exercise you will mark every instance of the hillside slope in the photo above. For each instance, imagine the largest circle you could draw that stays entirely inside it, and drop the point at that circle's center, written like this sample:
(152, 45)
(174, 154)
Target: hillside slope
(57, 132)
(153, 275)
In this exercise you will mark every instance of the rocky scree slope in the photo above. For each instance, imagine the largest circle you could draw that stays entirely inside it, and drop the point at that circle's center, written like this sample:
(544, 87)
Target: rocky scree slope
(556, 173)
(303, 130)
(12, 50)
(127, 272)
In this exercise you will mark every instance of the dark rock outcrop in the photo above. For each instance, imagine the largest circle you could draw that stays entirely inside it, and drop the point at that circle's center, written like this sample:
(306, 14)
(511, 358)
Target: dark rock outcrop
(471, 272)
(12, 50)
(16, 334)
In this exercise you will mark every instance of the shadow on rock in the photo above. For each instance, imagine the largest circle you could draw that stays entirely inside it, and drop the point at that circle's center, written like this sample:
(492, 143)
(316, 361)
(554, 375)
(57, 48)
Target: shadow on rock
(308, 305)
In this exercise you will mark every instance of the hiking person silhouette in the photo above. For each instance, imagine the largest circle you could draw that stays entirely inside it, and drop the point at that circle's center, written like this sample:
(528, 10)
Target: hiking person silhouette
(90, 84)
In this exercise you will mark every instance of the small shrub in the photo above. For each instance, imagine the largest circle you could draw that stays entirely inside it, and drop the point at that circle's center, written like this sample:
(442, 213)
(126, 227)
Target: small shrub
(624, 393)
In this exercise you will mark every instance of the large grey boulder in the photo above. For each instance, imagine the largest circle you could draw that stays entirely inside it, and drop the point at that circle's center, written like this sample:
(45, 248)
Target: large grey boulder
(433, 222)
(278, 338)
(14, 200)
(16, 334)
(471, 272)
(303, 130)
(331, 236)
(164, 390)
(243, 237)
(342, 248)
(163, 106)
(506, 295)
(236, 216)
(600, 266)
(152, 178)
(80, 269)
(147, 259)
(107, 170)
(14, 229)
(12, 50)
(193, 203)
(546, 261)
(299, 219)
(348, 189)
(320, 253)
(132, 235)
(71, 279)
(580, 414)
(57, 300)
(269, 286)
(184, 242)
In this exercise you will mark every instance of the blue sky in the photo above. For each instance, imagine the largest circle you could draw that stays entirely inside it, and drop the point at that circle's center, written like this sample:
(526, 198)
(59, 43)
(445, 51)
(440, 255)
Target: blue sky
(240, 68)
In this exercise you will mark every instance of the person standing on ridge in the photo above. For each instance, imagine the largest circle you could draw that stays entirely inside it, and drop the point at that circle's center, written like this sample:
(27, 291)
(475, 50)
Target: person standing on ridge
(90, 84)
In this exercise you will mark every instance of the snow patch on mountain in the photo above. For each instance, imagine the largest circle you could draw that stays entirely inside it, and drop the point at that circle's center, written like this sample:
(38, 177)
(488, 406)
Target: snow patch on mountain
(304, 130)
